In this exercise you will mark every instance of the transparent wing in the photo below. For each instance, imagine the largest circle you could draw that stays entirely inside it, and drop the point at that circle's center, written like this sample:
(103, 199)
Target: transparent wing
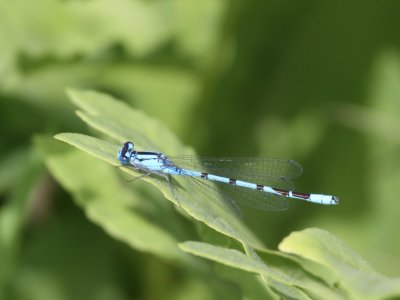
(274, 172)
(191, 188)
(197, 186)
(254, 198)
(227, 196)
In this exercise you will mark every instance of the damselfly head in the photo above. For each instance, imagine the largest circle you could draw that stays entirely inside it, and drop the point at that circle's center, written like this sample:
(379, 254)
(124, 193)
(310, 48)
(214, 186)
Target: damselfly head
(124, 154)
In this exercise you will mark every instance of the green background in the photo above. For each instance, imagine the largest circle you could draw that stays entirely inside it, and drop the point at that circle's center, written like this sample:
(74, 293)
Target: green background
(315, 81)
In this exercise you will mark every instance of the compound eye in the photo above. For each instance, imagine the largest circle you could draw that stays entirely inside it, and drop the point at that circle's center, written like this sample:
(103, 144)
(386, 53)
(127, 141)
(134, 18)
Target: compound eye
(124, 154)
(126, 148)
(130, 146)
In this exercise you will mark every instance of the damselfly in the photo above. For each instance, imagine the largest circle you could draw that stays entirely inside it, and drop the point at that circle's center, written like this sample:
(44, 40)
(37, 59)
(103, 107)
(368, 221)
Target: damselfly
(256, 182)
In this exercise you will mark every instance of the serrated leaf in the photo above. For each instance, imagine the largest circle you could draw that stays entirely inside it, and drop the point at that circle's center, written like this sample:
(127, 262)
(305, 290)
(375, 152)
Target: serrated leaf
(227, 225)
(124, 123)
(354, 274)
(299, 278)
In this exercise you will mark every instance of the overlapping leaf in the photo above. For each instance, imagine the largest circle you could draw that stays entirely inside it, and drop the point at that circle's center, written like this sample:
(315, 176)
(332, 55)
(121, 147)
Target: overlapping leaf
(323, 265)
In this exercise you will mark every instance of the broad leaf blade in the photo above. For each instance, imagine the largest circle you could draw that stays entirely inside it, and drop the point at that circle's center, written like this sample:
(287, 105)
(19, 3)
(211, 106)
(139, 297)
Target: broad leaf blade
(354, 274)
(201, 210)
(107, 202)
(120, 121)
(236, 259)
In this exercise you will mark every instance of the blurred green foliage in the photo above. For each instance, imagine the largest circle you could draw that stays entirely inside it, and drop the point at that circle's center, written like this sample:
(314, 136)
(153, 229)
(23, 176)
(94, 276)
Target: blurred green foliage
(318, 82)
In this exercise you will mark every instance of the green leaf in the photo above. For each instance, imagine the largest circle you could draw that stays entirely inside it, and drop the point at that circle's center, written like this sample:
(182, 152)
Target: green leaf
(156, 90)
(106, 201)
(353, 273)
(252, 285)
(310, 274)
(291, 263)
(311, 277)
(139, 26)
(277, 270)
(122, 123)
(233, 258)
